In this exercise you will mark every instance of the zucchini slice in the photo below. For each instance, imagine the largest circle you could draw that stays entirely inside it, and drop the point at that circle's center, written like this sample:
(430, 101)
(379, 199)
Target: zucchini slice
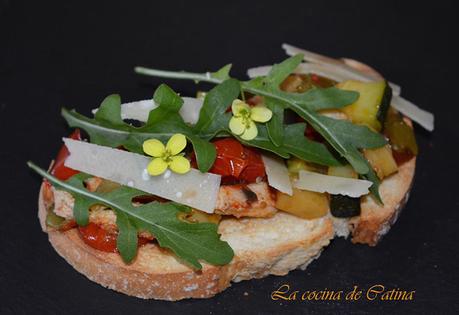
(344, 206)
(371, 107)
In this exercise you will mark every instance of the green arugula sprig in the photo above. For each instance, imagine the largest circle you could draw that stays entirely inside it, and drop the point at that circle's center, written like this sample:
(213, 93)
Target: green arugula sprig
(346, 138)
(191, 242)
(108, 129)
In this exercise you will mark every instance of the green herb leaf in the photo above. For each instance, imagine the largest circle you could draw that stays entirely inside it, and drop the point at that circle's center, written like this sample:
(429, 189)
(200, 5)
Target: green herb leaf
(374, 189)
(279, 72)
(127, 239)
(275, 125)
(271, 82)
(263, 141)
(222, 73)
(301, 147)
(167, 99)
(213, 117)
(110, 110)
(305, 105)
(108, 129)
(191, 242)
(318, 99)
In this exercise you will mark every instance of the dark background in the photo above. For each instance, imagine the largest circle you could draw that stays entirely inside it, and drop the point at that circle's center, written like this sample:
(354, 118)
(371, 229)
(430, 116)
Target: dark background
(61, 54)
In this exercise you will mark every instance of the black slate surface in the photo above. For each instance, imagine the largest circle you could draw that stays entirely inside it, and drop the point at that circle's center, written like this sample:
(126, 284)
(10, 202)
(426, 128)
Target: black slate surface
(60, 53)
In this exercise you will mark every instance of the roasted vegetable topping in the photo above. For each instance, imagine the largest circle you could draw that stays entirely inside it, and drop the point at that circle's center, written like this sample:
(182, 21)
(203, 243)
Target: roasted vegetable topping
(59, 169)
(236, 163)
(295, 165)
(98, 238)
(342, 171)
(300, 83)
(196, 216)
(382, 161)
(303, 203)
(371, 107)
(344, 206)
(401, 136)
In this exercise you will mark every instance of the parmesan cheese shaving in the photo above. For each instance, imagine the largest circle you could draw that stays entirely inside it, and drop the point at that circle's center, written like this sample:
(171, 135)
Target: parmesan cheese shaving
(277, 172)
(195, 189)
(338, 65)
(332, 184)
(141, 109)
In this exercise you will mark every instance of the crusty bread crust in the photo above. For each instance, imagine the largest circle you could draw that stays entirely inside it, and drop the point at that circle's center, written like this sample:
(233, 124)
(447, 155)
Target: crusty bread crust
(262, 246)
(375, 220)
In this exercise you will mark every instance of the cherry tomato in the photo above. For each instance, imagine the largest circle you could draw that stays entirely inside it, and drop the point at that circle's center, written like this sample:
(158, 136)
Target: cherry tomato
(230, 160)
(98, 238)
(255, 167)
(236, 162)
(59, 170)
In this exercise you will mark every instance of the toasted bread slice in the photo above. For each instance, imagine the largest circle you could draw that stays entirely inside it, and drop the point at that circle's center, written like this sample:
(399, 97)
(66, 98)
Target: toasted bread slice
(262, 246)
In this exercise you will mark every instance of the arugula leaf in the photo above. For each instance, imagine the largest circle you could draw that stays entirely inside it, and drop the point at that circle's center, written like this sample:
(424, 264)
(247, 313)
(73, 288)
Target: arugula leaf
(305, 105)
(191, 242)
(222, 73)
(127, 239)
(271, 82)
(279, 72)
(275, 125)
(81, 203)
(346, 138)
(317, 99)
(108, 129)
(374, 189)
(213, 117)
(262, 141)
(301, 147)
(109, 111)
(343, 136)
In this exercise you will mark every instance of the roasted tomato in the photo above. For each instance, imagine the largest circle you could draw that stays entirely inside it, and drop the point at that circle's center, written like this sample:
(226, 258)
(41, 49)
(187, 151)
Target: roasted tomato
(59, 170)
(101, 239)
(235, 162)
(98, 238)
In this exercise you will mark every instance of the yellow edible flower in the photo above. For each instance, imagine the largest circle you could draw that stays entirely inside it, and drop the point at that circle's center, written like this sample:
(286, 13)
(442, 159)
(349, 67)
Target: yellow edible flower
(244, 117)
(167, 156)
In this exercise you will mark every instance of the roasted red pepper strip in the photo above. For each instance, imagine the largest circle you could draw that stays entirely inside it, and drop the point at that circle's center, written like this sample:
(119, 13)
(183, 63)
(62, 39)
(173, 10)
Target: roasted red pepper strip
(101, 239)
(98, 238)
(59, 170)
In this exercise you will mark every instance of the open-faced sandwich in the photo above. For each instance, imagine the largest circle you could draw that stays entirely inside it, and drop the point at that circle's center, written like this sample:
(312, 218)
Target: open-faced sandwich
(177, 197)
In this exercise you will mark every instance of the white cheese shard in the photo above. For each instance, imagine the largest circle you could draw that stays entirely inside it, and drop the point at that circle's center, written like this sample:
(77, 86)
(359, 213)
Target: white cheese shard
(141, 109)
(194, 189)
(422, 117)
(330, 71)
(338, 65)
(332, 184)
(277, 173)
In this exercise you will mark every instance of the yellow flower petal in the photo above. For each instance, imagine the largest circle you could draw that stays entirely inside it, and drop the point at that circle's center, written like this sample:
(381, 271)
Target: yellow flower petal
(239, 108)
(153, 147)
(251, 132)
(156, 167)
(179, 164)
(236, 125)
(261, 114)
(176, 144)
